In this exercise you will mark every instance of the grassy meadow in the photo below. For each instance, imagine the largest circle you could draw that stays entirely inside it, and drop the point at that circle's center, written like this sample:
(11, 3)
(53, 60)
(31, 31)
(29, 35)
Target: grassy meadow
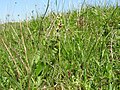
(74, 50)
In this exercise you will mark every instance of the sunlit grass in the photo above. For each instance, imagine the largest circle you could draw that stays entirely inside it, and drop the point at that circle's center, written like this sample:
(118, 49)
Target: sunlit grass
(77, 50)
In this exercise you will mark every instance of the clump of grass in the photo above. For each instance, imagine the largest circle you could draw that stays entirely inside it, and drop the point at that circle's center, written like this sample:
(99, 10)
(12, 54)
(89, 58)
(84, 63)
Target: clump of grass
(75, 50)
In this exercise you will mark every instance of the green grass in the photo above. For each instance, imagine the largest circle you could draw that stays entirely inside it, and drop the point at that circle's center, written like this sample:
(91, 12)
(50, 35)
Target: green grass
(77, 50)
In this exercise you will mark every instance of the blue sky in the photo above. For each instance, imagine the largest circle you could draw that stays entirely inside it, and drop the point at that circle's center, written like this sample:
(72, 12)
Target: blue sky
(24, 8)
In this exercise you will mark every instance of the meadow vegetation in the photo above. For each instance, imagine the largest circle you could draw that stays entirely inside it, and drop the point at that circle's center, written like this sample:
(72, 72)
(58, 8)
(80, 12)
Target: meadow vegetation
(74, 50)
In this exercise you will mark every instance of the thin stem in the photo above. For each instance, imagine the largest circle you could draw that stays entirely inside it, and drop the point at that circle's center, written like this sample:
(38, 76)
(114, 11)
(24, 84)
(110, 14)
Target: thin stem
(13, 59)
(25, 49)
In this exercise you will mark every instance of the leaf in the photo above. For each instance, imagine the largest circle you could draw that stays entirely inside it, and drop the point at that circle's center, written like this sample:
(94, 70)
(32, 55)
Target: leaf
(39, 68)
